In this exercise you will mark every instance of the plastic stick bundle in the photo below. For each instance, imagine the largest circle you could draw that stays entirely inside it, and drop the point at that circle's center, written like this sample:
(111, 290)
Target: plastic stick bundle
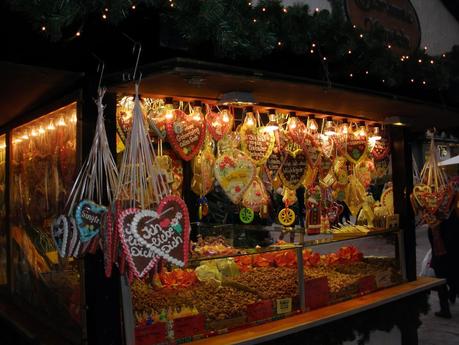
(77, 231)
(431, 174)
(140, 183)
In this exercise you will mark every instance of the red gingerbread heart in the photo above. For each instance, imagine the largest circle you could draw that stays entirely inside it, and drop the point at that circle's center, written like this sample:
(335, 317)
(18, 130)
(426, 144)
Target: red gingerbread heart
(186, 133)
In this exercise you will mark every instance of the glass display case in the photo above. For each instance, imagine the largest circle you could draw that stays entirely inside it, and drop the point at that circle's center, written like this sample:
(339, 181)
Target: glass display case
(42, 171)
(226, 287)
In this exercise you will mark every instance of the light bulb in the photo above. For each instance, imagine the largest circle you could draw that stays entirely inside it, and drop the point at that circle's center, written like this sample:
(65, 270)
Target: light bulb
(51, 126)
(272, 124)
(61, 122)
(362, 132)
(169, 115)
(329, 129)
(312, 124)
(344, 128)
(41, 130)
(375, 133)
(34, 133)
(197, 114)
(225, 117)
(24, 136)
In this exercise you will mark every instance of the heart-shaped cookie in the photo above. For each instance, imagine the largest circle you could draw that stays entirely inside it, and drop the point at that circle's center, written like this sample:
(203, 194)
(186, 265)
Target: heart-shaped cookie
(88, 216)
(275, 162)
(312, 148)
(203, 172)
(356, 148)
(234, 172)
(166, 232)
(219, 124)
(186, 133)
(419, 190)
(296, 130)
(65, 235)
(327, 146)
(139, 257)
(255, 196)
(294, 171)
(381, 149)
(257, 143)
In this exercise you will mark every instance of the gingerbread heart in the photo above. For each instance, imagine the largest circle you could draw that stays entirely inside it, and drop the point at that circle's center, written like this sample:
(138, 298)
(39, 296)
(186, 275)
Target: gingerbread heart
(327, 146)
(296, 130)
(88, 216)
(255, 196)
(294, 171)
(186, 133)
(257, 143)
(65, 235)
(234, 172)
(311, 146)
(381, 149)
(219, 124)
(419, 190)
(356, 148)
(139, 257)
(275, 162)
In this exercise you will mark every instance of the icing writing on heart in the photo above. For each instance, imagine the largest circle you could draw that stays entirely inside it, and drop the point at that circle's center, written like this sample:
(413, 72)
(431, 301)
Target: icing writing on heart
(139, 258)
(234, 172)
(312, 149)
(356, 148)
(88, 216)
(257, 142)
(220, 123)
(186, 133)
(65, 235)
(294, 170)
(274, 162)
(147, 235)
(381, 149)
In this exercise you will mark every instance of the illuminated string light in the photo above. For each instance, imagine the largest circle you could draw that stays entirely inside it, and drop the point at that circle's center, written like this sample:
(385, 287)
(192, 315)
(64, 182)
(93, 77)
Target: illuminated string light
(78, 34)
(41, 130)
(384, 80)
(313, 45)
(443, 55)
(349, 51)
(389, 46)
(325, 58)
(285, 10)
(279, 43)
(420, 61)
(43, 28)
(432, 62)
(354, 26)
(133, 7)
(317, 9)
(351, 75)
(424, 82)
(366, 72)
(106, 9)
(254, 20)
(361, 35)
(312, 51)
(104, 16)
(263, 9)
(425, 47)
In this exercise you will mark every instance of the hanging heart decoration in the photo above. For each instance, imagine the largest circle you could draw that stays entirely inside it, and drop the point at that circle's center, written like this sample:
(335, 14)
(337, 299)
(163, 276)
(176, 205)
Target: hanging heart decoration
(148, 235)
(363, 171)
(88, 216)
(356, 148)
(65, 235)
(340, 172)
(234, 172)
(381, 149)
(255, 196)
(327, 146)
(219, 123)
(257, 143)
(186, 133)
(326, 164)
(296, 130)
(312, 148)
(203, 172)
(419, 190)
(381, 168)
(275, 162)
(294, 171)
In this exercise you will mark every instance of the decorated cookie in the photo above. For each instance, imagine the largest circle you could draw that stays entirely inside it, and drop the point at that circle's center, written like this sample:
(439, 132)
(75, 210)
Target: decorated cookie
(219, 123)
(257, 143)
(88, 216)
(255, 196)
(186, 133)
(294, 170)
(234, 172)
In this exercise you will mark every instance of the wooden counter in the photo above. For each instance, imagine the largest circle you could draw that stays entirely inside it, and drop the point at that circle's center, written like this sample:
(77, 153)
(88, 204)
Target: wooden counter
(293, 324)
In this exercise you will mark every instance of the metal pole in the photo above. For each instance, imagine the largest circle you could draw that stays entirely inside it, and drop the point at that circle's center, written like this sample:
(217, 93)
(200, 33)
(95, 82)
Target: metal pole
(300, 267)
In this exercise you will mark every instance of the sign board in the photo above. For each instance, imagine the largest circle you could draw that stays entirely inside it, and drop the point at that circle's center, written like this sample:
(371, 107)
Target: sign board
(397, 18)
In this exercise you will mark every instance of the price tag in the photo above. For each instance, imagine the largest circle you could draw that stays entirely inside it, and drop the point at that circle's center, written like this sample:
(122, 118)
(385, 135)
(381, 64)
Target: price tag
(316, 293)
(189, 326)
(284, 305)
(367, 284)
(260, 311)
(151, 334)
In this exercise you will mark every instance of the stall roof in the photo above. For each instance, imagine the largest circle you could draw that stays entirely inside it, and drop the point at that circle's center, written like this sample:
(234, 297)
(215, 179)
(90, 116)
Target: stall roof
(25, 88)
(451, 161)
(197, 79)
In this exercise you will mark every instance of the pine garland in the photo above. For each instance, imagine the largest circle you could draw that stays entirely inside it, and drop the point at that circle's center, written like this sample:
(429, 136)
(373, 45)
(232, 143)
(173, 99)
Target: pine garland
(236, 29)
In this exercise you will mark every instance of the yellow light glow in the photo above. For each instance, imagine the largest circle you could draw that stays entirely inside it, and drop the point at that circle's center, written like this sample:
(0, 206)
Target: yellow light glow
(51, 126)
(169, 115)
(41, 130)
(61, 122)
(225, 117)
(34, 133)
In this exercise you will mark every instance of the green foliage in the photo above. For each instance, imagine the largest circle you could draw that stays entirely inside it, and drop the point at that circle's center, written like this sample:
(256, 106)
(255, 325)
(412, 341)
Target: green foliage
(233, 29)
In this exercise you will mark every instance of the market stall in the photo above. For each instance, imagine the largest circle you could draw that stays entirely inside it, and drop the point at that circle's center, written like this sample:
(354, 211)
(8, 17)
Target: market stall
(212, 201)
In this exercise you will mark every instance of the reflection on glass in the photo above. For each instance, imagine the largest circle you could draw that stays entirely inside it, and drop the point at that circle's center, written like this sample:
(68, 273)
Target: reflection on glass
(3, 229)
(43, 167)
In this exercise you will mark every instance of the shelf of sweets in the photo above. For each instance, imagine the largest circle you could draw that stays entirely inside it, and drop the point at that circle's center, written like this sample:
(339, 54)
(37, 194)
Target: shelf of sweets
(224, 289)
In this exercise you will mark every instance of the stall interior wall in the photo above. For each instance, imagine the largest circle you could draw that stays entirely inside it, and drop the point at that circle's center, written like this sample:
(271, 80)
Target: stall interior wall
(3, 226)
(42, 171)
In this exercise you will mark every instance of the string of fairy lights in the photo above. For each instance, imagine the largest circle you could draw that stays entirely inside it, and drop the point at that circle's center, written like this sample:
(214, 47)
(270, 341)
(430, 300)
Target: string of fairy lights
(314, 47)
